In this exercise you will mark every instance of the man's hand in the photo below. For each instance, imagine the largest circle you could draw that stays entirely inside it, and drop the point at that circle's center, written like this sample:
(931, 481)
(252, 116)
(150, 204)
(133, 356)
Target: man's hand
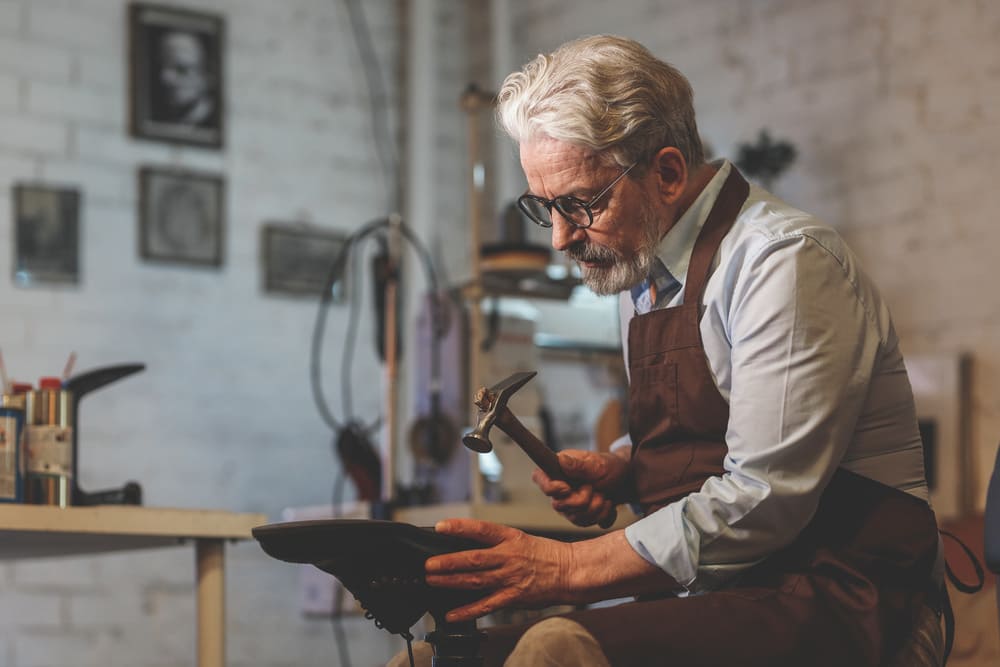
(517, 568)
(599, 481)
(514, 569)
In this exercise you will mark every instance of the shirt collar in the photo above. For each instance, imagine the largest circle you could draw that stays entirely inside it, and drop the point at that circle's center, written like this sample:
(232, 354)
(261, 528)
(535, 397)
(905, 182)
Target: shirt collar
(675, 248)
(642, 297)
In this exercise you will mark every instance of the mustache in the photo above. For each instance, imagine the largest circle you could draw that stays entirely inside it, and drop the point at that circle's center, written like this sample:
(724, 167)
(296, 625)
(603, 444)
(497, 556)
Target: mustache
(591, 253)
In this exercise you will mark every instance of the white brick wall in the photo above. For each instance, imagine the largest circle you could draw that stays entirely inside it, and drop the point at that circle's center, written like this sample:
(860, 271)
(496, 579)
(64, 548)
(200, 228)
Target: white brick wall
(893, 109)
(10, 17)
(891, 105)
(85, 105)
(37, 61)
(20, 134)
(222, 417)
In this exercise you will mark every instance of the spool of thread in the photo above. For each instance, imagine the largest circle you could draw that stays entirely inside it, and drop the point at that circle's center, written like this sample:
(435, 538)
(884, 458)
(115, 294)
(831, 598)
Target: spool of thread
(49, 444)
(12, 405)
(17, 397)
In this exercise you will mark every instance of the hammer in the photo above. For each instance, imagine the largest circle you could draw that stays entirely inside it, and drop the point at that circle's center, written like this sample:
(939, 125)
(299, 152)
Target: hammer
(492, 404)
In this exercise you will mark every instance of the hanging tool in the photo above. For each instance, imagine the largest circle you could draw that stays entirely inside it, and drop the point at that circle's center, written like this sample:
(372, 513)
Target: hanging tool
(78, 386)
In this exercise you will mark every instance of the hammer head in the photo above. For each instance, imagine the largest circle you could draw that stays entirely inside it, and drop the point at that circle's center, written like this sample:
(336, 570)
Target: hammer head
(491, 402)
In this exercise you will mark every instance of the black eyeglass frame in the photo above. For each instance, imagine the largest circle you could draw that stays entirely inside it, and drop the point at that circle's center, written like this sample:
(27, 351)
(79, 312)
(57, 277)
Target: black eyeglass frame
(562, 200)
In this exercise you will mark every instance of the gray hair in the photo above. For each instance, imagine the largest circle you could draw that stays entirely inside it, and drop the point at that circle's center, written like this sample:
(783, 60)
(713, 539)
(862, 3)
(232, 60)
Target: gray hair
(604, 93)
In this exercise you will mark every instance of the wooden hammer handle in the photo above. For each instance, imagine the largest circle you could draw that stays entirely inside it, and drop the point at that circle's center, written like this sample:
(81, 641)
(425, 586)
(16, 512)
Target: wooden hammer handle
(542, 456)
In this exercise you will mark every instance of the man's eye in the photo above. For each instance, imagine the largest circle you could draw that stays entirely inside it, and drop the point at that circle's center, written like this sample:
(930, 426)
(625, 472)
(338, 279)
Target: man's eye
(570, 207)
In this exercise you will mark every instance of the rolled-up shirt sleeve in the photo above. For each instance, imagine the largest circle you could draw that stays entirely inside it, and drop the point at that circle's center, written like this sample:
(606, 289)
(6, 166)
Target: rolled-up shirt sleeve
(802, 346)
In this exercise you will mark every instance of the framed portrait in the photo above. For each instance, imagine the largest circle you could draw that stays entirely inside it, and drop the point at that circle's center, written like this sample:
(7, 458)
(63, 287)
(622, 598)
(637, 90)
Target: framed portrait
(181, 216)
(298, 259)
(176, 73)
(46, 235)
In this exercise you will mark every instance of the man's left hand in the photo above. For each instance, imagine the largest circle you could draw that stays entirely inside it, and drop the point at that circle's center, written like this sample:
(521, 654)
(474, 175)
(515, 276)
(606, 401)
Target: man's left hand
(516, 569)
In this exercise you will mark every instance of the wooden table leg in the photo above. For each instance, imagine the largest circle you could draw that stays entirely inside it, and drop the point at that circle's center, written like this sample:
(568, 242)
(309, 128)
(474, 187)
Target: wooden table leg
(211, 602)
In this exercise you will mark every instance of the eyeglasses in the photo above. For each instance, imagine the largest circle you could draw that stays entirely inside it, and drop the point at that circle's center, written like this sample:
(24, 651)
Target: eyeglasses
(576, 211)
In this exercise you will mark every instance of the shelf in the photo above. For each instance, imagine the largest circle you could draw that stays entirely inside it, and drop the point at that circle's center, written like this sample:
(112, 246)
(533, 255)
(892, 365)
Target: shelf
(521, 284)
(35, 531)
(44, 531)
(553, 343)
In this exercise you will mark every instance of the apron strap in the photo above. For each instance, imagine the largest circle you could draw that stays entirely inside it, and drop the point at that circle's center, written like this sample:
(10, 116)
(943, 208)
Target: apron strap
(734, 192)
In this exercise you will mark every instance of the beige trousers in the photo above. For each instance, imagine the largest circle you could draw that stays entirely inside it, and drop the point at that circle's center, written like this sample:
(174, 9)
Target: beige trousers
(560, 642)
(553, 642)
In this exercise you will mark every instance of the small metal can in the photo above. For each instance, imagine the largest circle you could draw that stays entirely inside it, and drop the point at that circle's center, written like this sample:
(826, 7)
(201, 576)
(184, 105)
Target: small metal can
(49, 445)
(11, 460)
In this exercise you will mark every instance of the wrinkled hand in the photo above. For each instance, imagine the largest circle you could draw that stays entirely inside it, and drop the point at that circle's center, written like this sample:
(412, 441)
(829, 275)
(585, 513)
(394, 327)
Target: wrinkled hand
(598, 481)
(517, 568)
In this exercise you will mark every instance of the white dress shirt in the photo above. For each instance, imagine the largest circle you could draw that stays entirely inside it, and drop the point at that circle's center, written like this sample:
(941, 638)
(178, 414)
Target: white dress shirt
(801, 345)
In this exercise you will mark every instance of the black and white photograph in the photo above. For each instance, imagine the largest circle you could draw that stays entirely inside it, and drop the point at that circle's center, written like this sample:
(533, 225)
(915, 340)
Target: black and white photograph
(297, 259)
(46, 235)
(181, 216)
(176, 70)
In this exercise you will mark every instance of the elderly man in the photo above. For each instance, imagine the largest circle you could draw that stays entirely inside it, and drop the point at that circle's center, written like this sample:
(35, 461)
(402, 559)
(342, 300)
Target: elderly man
(773, 445)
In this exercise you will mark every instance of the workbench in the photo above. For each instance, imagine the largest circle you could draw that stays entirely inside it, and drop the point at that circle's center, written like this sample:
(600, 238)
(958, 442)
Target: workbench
(40, 531)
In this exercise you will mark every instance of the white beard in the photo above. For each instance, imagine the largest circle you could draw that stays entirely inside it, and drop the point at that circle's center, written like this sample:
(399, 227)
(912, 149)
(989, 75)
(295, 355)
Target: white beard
(618, 272)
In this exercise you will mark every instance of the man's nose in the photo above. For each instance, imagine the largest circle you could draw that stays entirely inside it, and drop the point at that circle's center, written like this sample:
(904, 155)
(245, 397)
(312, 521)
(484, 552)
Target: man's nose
(564, 233)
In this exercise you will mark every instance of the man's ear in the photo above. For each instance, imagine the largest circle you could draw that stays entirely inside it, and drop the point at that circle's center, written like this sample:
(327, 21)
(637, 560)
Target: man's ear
(671, 173)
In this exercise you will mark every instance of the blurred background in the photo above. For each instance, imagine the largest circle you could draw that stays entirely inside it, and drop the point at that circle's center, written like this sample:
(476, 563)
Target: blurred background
(179, 177)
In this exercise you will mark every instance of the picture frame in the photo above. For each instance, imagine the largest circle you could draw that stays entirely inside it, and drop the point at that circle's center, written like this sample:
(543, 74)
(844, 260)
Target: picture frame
(176, 74)
(181, 216)
(46, 235)
(296, 259)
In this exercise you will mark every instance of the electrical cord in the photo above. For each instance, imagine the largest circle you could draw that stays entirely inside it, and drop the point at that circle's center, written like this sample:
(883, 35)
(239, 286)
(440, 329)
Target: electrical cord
(326, 298)
(350, 440)
(319, 325)
(381, 133)
(386, 154)
(353, 280)
(336, 615)
(341, 641)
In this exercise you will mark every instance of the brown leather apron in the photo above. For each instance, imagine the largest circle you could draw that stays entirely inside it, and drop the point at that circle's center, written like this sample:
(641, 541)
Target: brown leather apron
(844, 593)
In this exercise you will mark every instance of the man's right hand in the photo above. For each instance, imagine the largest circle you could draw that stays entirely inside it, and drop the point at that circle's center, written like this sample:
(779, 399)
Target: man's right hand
(596, 485)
